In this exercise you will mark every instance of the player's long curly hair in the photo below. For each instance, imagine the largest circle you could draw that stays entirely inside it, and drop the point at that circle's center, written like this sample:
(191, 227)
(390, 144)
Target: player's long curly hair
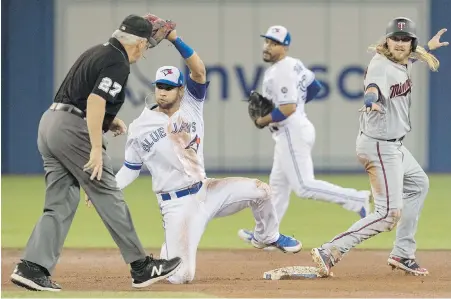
(420, 54)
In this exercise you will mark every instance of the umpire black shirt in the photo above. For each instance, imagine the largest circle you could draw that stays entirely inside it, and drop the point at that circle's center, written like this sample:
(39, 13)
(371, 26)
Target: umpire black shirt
(102, 70)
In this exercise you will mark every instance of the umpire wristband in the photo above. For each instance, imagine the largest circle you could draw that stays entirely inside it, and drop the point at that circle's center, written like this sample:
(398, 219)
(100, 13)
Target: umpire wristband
(185, 50)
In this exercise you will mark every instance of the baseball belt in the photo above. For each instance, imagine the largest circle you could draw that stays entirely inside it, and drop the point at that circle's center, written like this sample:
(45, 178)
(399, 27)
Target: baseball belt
(68, 108)
(193, 189)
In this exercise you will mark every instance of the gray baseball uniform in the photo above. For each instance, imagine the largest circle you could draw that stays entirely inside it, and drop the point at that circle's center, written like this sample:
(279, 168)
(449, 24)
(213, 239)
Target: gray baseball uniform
(63, 141)
(398, 182)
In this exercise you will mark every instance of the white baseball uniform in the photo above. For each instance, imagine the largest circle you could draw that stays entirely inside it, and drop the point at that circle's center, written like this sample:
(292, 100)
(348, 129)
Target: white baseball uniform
(286, 82)
(172, 150)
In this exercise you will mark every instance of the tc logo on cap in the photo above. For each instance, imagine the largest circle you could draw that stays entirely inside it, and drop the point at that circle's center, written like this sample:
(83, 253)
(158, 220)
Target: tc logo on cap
(401, 25)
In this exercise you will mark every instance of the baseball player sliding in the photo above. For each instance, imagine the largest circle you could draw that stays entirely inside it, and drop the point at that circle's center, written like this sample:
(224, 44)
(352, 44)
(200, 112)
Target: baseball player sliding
(169, 139)
(398, 182)
(287, 86)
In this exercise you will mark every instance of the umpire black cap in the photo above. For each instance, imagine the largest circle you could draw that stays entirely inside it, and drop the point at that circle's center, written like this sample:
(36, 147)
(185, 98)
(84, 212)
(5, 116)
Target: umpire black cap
(138, 26)
(402, 26)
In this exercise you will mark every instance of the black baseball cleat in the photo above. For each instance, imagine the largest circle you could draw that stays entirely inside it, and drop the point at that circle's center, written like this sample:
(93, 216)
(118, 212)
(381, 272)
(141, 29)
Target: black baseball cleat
(33, 277)
(410, 266)
(154, 270)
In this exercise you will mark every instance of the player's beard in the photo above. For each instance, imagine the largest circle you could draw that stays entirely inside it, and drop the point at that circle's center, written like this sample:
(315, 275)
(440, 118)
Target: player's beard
(400, 56)
(166, 105)
(267, 57)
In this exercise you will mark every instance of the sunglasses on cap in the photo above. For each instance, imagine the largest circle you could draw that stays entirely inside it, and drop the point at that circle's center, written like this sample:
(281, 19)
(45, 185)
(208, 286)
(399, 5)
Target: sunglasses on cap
(404, 39)
(166, 87)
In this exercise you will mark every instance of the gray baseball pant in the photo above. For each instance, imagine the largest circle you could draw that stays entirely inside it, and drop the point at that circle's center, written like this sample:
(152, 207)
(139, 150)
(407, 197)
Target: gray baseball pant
(64, 144)
(399, 187)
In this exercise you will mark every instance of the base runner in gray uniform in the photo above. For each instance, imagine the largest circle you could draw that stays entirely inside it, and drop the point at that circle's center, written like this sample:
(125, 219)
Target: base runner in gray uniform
(398, 182)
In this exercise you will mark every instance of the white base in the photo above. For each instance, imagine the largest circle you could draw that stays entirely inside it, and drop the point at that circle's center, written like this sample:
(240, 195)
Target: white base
(294, 272)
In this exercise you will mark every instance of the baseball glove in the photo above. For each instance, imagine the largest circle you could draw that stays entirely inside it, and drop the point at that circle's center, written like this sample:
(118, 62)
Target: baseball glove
(160, 28)
(259, 106)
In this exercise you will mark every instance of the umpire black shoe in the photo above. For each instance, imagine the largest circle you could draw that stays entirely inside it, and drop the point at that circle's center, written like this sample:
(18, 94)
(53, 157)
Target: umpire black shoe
(32, 277)
(152, 270)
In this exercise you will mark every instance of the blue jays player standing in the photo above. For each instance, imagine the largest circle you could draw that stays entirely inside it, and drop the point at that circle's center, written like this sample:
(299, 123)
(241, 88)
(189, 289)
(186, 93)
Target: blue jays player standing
(168, 139)
(289, 84)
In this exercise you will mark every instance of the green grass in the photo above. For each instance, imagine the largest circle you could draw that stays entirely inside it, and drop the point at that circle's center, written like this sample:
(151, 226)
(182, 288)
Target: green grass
(310, 221)
(145, 294)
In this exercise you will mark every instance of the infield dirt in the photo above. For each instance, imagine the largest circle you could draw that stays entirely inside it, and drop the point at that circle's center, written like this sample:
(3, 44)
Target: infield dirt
(239, 273)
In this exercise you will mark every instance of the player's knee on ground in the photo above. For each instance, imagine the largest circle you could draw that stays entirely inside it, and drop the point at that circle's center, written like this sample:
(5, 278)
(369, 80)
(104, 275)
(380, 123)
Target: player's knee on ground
(186, 272)
(390, 220)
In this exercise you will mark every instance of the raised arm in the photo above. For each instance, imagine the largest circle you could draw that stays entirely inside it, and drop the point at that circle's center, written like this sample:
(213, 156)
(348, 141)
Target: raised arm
(434, 43)
(196, 66)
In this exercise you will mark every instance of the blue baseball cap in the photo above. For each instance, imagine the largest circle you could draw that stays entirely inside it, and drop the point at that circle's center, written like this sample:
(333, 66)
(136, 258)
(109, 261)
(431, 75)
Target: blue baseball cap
(278, 34)
(169, 75)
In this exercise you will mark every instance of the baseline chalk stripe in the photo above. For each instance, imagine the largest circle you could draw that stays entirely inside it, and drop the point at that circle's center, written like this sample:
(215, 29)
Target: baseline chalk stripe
(294, 272)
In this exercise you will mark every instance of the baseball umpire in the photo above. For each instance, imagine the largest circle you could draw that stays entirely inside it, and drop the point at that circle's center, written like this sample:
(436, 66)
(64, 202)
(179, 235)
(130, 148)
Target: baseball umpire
(73, 150)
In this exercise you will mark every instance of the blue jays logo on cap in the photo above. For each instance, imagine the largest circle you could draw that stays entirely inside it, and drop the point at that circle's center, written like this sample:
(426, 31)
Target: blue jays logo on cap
(166, 71)
(278, 34)
(169, 75)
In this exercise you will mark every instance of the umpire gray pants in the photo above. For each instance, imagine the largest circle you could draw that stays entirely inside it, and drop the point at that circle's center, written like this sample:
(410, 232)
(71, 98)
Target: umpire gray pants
(64, 144)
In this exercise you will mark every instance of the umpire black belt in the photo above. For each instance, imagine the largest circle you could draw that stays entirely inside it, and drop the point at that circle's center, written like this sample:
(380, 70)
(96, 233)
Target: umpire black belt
(193, 189)
(68, 108)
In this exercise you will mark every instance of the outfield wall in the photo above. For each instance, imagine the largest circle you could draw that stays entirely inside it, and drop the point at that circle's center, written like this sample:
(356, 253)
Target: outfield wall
(329, 36)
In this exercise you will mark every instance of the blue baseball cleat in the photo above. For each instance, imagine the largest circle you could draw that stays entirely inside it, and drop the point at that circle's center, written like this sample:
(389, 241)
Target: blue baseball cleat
(284, 243)
(247, 235)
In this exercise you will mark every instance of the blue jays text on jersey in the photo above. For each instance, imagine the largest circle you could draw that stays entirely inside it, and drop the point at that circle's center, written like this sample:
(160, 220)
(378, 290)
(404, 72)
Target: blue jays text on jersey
(158, 134)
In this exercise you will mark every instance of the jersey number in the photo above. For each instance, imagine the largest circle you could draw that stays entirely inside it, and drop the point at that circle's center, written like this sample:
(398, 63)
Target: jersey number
(105, 85)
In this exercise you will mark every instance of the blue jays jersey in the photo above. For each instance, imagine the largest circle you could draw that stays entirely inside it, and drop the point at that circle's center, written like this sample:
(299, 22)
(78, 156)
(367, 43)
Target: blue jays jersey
(170, 147)
(286, 82)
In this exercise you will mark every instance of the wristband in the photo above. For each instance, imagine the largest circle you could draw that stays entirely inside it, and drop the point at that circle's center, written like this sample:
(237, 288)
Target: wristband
(277, 115)
(185, 50)
(370, 98)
